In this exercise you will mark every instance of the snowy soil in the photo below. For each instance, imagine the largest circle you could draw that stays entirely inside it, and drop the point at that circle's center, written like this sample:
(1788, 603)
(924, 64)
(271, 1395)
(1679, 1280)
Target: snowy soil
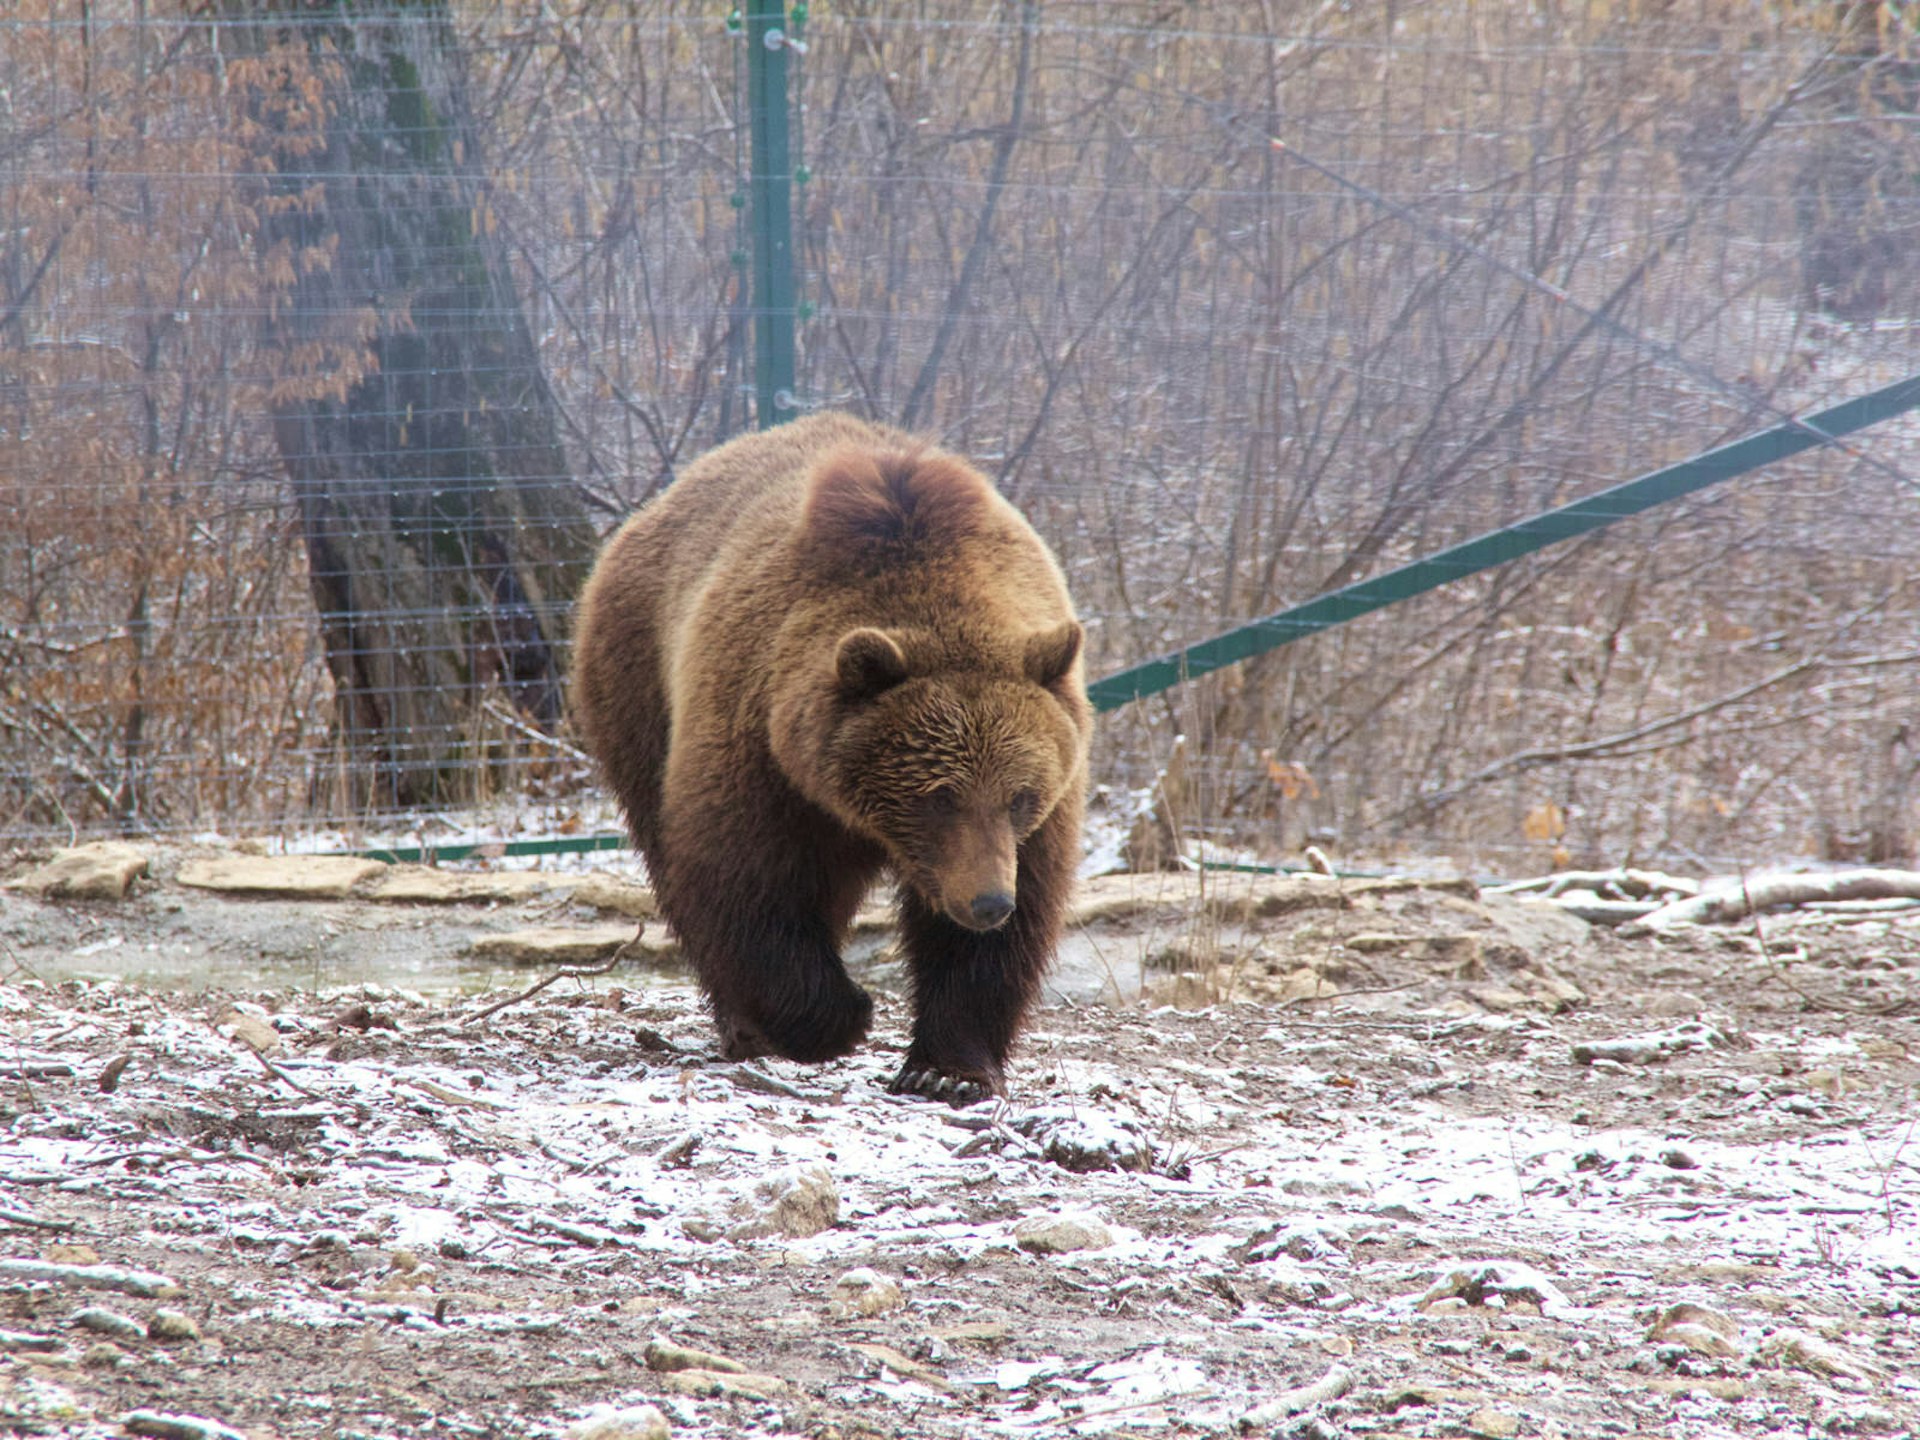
(1402, 1161)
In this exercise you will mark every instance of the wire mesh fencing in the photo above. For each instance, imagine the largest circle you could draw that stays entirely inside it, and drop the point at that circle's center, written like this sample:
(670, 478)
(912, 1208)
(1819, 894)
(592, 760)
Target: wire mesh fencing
(332, 337)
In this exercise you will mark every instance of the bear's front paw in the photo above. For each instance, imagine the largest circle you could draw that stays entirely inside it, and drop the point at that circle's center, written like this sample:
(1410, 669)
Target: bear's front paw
(958, 1091)
(740, 1039)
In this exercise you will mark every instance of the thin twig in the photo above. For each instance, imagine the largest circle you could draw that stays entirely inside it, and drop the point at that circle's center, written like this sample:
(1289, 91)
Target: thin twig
(576, 972)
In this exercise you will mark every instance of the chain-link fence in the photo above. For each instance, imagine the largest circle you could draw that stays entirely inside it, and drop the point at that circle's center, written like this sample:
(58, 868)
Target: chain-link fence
(332, 335)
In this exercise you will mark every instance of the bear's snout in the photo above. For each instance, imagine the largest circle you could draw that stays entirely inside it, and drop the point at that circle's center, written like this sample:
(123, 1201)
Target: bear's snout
(989, 909)
(975, 866)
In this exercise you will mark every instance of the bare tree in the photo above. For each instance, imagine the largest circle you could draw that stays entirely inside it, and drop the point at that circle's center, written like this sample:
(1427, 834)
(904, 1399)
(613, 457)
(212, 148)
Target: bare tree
(445, 536)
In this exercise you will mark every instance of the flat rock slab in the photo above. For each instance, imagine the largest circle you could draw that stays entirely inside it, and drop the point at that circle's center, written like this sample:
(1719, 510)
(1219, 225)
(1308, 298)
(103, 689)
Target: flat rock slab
(562, 944)
(300, 877)
(424, 885)
(622, 897)
(1229, 895)
(101, 871)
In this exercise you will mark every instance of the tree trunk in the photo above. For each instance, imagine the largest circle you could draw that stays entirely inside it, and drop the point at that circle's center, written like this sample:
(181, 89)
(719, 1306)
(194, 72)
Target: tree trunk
(444, 534)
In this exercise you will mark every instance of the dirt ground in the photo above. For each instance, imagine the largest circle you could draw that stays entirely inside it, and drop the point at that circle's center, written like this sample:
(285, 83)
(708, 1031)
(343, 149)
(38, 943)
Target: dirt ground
(1293, 1157)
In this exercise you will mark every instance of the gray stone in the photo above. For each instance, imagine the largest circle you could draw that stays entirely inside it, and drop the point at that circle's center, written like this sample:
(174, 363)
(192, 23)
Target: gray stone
(864, 1292)
(1062, 1233)
(102, 1321)
(172, 1327)
(793, 1203)
(620, 1422)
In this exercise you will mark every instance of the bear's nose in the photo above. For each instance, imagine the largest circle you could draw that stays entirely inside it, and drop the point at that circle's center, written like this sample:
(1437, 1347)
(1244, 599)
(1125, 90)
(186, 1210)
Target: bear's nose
(991, 908)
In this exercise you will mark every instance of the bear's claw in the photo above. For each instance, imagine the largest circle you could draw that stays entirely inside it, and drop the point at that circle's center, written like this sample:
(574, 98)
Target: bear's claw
(958, 1091)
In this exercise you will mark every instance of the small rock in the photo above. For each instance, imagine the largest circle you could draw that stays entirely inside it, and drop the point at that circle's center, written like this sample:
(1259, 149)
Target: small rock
(1806, 1351)
(1086, 1140)
(664, 1356)
(27, 1342)
(102, 1355)
(73, 1254)
(253, 1032)
(1493, 1424)
(159, 1425)
(794, 1203)
(1646, 1049)
(864, 1292)
(1866, 1420)
(1505, 1281)
(612, 1422)
(1702, 1330)
(905, 1366)
(102, 1321)
(1718, 1388)
(104, 870)
(1674, 1157)
(1830, 1083)
(1062, 1233)
(172, 1327)
(1379, 943)
(744, 1385)
(1499, 998)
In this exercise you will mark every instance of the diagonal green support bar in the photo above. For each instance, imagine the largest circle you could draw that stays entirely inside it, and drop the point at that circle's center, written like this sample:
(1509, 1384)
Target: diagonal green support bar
(1595, 512)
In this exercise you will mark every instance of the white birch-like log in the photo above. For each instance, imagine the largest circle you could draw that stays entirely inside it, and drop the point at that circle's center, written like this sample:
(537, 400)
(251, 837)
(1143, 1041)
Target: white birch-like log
(1764, 892)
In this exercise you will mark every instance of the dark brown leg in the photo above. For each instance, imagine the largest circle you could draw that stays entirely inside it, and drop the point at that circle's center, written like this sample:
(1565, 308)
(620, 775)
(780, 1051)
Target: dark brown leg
(761, 922)
(972, 988)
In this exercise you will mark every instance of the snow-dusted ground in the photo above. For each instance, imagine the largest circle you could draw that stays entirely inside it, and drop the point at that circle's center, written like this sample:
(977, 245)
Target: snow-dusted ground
(1407, 1204)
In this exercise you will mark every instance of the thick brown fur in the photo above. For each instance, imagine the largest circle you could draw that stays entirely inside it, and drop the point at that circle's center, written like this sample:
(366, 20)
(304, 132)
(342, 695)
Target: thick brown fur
(826, 652)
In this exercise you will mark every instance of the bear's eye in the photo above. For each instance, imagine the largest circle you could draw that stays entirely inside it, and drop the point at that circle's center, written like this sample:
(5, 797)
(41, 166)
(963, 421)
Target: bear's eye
(943, 801)
(1025, 808)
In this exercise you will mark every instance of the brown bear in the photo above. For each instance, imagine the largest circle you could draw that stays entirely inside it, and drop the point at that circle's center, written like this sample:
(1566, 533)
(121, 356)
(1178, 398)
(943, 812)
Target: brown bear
(826, 651)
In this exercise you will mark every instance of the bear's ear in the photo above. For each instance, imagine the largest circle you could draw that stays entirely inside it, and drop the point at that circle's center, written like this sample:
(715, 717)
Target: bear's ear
(868, 662)
(1050, 653)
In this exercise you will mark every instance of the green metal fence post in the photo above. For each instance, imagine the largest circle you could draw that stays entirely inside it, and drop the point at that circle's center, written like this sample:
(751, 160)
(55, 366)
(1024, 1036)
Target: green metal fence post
(770, 212)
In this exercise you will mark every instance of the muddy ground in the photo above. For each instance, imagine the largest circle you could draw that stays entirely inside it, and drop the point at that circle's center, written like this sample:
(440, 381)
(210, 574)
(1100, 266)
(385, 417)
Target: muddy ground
(1338, 1157)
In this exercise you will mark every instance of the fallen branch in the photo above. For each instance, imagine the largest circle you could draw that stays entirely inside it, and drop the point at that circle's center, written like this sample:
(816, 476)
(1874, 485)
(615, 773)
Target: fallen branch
(1330, 1386)
(1621, 883)
(576, 972)
(143, 1283)
(1736, 902)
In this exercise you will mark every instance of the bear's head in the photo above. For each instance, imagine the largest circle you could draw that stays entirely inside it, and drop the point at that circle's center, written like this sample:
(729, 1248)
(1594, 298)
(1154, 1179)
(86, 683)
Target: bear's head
(951, 767)
(946, 740)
